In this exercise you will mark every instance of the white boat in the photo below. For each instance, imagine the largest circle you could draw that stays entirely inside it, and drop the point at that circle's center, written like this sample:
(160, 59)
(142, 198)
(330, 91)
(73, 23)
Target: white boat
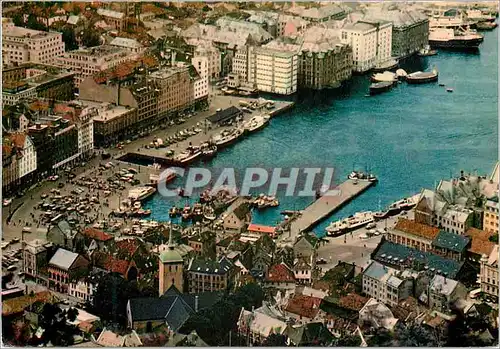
(140, 193)
(228, 139)
(188, 156)
(256, 123)
(354, 222)
(386, 76)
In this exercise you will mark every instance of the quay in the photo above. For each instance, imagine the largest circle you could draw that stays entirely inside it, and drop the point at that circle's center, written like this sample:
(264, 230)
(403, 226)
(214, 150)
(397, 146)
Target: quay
(325, 206)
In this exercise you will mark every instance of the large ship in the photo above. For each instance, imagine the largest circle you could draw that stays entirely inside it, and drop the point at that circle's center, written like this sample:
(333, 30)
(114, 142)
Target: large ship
(351, 223)
(454, 38)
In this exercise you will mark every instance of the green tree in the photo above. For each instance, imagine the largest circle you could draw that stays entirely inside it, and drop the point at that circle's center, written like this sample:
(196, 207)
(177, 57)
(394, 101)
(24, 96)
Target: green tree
(275, 340)
(54, 322)
(415, 336)
(68, 36)
(90, 38)
(348, 341)
(381, 338)
(18, 20)
(34, 24)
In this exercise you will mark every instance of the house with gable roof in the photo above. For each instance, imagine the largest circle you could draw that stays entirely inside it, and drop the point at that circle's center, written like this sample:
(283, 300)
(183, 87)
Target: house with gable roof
(237, 218)
(258, 324)
(450, 245)
(280, 276)
(305, 246)
(63, 267)
(63, 235)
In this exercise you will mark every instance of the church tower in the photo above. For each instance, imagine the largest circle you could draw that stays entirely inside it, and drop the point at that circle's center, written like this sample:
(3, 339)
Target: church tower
(171, 267)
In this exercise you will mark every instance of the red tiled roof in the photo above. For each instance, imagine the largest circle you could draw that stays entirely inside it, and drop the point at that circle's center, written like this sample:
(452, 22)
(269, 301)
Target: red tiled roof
(353, 301)
(18, 139)
(110, 263)
(129, 246)
(480, 241)
(99, 235)
(417, 229)
(39, 105)
(124, 69)
(305, 306)
(280, 273)
(261, 229)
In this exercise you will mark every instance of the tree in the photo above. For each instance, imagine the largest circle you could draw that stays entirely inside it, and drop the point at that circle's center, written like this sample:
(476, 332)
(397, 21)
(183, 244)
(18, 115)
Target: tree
(415, 336)
(90, 38)
(21, 333)
(34, 24)
(348, 341)
(54, 322)
(275, 340)
(68, 36)
(382, 338)
(18, 20)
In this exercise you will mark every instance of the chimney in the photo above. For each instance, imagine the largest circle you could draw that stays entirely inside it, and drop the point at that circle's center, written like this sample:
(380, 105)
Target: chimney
(196, 304)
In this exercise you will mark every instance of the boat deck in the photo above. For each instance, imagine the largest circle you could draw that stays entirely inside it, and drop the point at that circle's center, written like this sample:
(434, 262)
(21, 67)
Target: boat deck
(327, 204)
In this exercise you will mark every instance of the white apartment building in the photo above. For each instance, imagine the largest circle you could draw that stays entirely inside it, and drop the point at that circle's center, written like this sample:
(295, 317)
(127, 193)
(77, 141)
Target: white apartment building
(200, 63)
(82, 290)
(490, 220)
(489, 273)
(130, 45)
(12, 94)
(371, 43)
(21, 45)
(214, 59)
(456, 219)
(242, 62)
(27, 162)
(86, 62)
(383, 284)
(274, 71)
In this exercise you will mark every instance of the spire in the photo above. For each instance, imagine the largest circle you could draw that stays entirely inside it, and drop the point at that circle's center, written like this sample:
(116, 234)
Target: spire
(171, 238)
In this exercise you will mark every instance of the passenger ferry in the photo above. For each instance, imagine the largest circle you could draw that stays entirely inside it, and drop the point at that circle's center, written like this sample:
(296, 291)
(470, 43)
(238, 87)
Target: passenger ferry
(351, 223)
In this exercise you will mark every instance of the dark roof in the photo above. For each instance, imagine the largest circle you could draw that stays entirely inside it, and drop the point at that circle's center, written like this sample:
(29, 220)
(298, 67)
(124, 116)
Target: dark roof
(242, 211)
(280, 273)
(410, 258)
(205, 299)
(310, 334)
(451, 241)
(310, 238)
(224, 115)
(206, 266)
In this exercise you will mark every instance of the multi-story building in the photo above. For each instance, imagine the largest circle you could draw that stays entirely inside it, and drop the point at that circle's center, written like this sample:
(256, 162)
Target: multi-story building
(291, 25)
(209, 276)
(85, 288)
(15, 91)
(386, 284)
(88, 61)
(258, 324)
(319, 14)
(63, 267)
(131, 45)
(371, 43)
(490, 218)
(200, 63)
(82, 117)
(21, 45)
(35, 257)
(274, 71)
(410, 29)
(444, 292)
(115, 19)
(176, 89)
(43, 138)
(489, 273)
(324, 62)
(413, 234)
(112, 123)
(214, 59)
(451, 245)
(20, 171)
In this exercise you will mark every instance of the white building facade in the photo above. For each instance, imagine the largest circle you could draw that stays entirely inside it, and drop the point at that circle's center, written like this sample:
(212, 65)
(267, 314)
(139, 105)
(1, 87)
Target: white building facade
(27, 163)
(489, 273)
(200, 63)
(21, 45)
(274, 71)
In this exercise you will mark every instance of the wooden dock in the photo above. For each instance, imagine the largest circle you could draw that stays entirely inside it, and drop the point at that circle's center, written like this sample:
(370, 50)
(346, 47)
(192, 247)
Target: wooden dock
(326, 205)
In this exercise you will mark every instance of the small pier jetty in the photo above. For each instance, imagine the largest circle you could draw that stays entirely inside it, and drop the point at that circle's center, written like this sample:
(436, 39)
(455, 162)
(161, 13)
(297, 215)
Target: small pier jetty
(326, 205)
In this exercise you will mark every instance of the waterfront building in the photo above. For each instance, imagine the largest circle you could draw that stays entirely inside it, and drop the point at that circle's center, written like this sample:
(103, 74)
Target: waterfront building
(410, 29)
(30, 80)
(386, 284)
(371, 43)
(413, 234)
(237, 217)
(250, 30)
(213, 56)
(131, 45)
(490, 221)
(63, 267)
(113, 18)
(306, 246)
(205, 275)
(274, 71)
(323, 60)
(200, 88)
(35, 257)
(489, 272)
(22, 45)
(88, 61)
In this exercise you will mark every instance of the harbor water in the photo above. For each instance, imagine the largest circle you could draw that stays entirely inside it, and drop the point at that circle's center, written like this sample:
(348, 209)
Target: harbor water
(410, 137)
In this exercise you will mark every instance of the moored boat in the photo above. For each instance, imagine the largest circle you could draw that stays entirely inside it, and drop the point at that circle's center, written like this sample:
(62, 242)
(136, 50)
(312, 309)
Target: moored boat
(358, 175)
(380, 87)
(141, 193)
(461, 39)
(422, 77)
(385, 76)
(351, 223)
(427, 51)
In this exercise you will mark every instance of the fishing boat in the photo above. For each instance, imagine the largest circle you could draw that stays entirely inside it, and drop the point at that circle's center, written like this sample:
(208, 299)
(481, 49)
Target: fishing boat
(422, 77)
(228, 139)
(256, 123)
(209, 152)
(173, 212)
(427, 51)
(209, 213)
(188, 156)
(486, 25)
(350, 223)
(401, 74)
(407, 204)
(186, 213)
(358, 175)
(449, 89)
(385, 76)
(380, 87)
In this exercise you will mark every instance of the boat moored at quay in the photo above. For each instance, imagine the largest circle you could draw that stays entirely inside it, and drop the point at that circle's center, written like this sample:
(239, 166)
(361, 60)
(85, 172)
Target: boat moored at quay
(351, 223)
(380, 87)
(448, 38)
(422, 77)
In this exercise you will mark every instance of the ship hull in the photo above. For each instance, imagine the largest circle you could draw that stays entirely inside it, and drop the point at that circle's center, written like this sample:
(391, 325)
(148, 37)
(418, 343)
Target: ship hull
(421, 80)
(457, 44)
(379, 90)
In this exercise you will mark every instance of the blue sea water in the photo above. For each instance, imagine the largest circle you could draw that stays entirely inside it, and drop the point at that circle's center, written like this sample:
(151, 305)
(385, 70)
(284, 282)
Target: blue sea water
(410, 137)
